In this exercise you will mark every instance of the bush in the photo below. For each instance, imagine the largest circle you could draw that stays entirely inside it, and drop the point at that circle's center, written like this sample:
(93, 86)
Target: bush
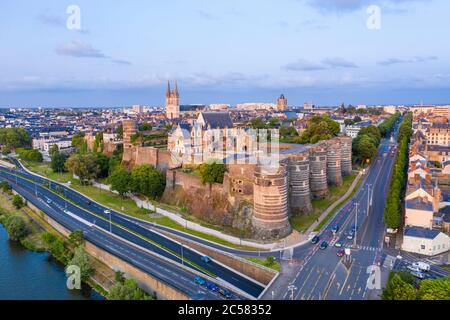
(16, 227)
(18, 202)
(82, 260)
(147, 180)
(212, 172)
(127, 290)
(30, 154)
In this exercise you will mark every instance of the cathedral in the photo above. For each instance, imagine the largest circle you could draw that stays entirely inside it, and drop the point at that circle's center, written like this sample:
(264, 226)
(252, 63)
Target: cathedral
(172, 102)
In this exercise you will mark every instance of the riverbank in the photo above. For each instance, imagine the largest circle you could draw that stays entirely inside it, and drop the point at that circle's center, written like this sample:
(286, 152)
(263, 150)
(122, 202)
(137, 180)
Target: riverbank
(102, 278)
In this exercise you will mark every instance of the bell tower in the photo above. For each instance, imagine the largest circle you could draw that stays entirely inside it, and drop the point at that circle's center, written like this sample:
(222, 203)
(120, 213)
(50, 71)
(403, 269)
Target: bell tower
(172, 102)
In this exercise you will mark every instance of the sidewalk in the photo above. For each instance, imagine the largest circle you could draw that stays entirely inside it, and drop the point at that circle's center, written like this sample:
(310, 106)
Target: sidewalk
(335, 204)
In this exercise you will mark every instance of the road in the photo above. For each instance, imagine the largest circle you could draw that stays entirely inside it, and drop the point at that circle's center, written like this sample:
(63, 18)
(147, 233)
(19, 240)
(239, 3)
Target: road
(315, 274)
(132, 231)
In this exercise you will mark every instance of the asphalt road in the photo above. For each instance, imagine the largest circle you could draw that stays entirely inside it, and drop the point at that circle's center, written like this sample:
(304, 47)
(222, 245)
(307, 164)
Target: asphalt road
(315, 274)
(132, 231)
(158, 268)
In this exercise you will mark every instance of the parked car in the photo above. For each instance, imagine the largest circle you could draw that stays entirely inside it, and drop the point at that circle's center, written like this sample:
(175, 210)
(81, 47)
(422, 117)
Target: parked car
(323, 245)
(315, 240)
(422, 266)
(199, 281)
(206, 259)
(107, 211)
(338, 244)
(335, 228)
(340, 252)
(418, 274)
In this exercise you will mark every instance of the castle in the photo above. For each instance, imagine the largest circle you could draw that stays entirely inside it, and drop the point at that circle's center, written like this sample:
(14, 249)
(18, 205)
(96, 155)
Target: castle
(172, 102)
(302, 172)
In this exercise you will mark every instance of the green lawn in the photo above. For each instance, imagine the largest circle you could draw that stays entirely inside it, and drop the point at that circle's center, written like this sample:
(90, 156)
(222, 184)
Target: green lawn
(266, 263)
(130, 207)
(302, 222)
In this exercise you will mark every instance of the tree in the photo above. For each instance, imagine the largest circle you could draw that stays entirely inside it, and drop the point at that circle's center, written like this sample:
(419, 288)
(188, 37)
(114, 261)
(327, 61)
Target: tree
(103, 165)
(98, 142)
(53, 150)
(399, 288)
(58, 160)
(128, 290)
(14, 138)
(212, 172)
(5, 187)
(120, 132)
(436, 289)
(320, 128)
(85, 166)
(147, 180)
(120, 181)
(30, 154)
(16, 227)
(18, 202)
(145, 126)
(76, 238)
(82, 260)
(257, 123)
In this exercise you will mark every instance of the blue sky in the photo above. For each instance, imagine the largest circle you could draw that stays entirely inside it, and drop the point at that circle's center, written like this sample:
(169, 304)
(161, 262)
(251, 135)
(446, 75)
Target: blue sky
(226, 51)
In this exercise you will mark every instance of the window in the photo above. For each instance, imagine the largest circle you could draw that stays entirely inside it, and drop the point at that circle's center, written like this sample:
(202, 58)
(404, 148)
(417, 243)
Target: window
(422, 247)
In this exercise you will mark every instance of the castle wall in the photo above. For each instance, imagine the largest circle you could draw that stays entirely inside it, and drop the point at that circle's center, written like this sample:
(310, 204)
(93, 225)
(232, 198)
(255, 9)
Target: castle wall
(270, 201)
(318, 170)
(299, 189)
(346, 155)
(334, 175)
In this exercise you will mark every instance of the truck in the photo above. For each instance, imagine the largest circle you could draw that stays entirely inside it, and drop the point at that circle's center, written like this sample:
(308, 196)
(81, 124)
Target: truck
(422, 266)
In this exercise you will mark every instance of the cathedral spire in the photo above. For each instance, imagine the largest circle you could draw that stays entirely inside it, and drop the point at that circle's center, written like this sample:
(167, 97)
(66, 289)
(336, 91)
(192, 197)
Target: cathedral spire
(168, 88)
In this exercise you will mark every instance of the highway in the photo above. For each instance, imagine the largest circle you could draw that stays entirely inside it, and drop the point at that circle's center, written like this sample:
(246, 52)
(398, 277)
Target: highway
(161, 269)
(315, 274)
(132, 231)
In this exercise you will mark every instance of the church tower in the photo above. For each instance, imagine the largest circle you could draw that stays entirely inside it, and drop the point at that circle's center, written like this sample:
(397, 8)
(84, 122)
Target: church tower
(172, 102)
(282, 103)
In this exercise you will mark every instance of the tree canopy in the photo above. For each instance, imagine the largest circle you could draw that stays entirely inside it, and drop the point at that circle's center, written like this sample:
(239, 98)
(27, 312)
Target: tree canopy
(320, 128)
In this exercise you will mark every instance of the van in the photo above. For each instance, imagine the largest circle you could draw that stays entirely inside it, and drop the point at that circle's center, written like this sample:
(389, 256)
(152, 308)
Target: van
(422, 266)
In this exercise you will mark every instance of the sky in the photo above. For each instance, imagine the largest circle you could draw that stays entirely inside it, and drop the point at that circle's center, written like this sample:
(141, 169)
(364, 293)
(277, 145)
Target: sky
(327, 52)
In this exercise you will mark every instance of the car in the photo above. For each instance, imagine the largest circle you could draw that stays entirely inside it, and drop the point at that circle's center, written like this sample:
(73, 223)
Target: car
(418, 274)
(315, 240)
(199, 281)
(354, 228)
(89, 203)
(49, 201)
(225, 292)
(338, 244)
(212, 286)
(323, 245)
(350, 235)
(335, 228)
(422, 266)
(206, 259)
(107, 211)
(413, 268)
(340, 252)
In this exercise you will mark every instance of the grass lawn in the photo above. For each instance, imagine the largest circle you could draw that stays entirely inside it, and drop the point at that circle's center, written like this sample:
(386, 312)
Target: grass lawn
(266, 263)
(116, 202)
(302, 223)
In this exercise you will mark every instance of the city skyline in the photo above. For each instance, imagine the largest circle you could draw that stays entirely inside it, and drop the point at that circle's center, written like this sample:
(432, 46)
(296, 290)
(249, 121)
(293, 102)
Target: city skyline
(224, 52)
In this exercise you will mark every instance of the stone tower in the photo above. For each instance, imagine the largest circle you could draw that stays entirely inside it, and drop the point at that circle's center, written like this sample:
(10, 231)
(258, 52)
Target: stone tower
(172, 102)
(282, 103)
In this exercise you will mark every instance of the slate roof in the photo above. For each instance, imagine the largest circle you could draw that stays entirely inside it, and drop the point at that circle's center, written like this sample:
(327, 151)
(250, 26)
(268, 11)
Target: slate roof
(418, 204)
(419, 232)
(218, 120)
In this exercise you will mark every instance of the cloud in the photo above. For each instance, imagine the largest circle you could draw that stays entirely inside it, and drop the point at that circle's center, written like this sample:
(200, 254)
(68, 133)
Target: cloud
(121, 62)
(328, 63)
(79, 49)
(393, 61)
(352, 5)
(51, 20)
(339, 63)
(304, 65)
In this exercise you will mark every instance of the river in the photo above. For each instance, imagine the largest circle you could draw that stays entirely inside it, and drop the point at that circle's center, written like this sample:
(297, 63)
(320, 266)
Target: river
(26, 275)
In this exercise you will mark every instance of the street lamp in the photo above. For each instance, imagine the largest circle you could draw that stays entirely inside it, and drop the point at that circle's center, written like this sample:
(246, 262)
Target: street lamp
(182, 255)
(356, 224)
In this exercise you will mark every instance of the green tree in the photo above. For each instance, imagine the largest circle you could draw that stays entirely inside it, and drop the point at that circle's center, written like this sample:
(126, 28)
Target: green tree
(85, 166)
(148, 181)
(212, 172)
(14, 138)
(58, 160)
(128, 290)
(120, 181)
(83, 261)
(5, 187)
(98, 142)
(120, 132)
(16, 227)
(435, 289)
(30, 154)
(145, 126)
(18, 202)
(398, 288)
(320, 128)
(76, 238)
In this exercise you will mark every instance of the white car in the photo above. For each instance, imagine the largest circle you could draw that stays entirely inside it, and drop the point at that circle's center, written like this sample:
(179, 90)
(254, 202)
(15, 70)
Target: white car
(413, 268)
(107, 211)
(422, 266)
(418, 274)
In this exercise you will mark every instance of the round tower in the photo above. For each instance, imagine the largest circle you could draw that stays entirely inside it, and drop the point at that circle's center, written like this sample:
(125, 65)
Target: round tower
(334, 175)
(270, 202)
(318, 170)
(346, 155)
(299, 192)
